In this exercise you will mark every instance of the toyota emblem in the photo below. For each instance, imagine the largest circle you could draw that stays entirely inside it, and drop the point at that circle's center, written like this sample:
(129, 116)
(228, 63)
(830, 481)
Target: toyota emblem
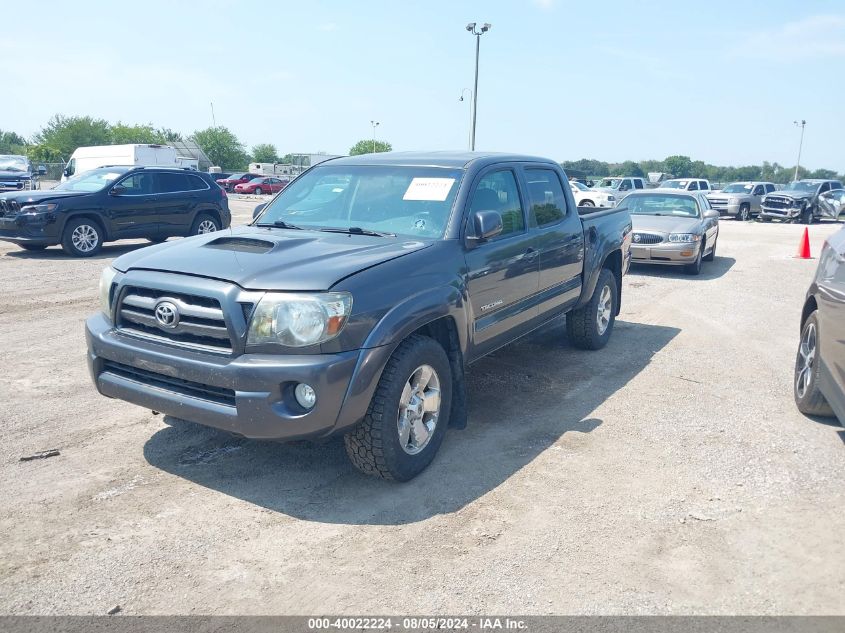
(167, 314)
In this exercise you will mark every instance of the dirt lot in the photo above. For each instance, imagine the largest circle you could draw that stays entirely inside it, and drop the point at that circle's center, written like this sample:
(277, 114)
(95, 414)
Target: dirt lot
(668, 473)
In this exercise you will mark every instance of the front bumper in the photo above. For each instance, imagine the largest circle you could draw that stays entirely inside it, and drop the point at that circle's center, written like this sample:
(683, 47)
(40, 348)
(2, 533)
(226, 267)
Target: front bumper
(249, 395)
(726, 209)
(17, 185)
(671, 254)
(788, 213)
(29, 229)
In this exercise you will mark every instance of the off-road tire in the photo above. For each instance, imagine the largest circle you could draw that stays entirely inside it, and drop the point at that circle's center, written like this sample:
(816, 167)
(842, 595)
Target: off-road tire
(813, 402)
(68, 237)
(373, 446)
(582, 323)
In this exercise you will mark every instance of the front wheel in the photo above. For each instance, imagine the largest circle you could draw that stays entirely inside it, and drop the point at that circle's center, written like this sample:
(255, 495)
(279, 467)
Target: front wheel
(82, 238)
(765, 218)
(204, 224)
(808, 398)
(744, 213)
(590, 326)
(695, 267)
(586, 203)
(408, 415)
(258, 191)
(712, 254)
(807, 215)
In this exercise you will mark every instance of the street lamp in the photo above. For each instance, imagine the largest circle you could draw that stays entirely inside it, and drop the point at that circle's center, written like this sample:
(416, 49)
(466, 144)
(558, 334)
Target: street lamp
(375, 124)
(800, 143)
(463, 92)
(471, 28)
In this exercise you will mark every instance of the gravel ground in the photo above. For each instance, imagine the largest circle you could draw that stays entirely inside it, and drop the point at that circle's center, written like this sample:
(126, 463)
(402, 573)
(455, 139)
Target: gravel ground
(667, 473)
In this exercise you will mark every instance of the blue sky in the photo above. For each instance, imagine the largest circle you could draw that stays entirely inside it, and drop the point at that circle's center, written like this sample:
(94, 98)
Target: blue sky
(718, 81)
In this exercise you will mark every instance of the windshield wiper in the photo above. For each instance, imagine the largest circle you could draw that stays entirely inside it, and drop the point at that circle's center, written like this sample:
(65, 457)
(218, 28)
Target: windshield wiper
(357, 230)
(281, 224)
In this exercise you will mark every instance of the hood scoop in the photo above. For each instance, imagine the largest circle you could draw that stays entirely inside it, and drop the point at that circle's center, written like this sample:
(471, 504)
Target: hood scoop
(241, 245)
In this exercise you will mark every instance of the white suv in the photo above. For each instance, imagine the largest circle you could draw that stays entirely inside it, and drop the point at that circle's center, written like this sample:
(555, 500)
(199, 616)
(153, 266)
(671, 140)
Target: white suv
(687, 184)
(586, 197)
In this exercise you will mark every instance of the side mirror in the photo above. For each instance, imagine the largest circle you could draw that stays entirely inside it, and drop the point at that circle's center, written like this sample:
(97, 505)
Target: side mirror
(258, 209)
(117, 190)
(711, 213)
(42, 170)
(486, 225)
(66, 172)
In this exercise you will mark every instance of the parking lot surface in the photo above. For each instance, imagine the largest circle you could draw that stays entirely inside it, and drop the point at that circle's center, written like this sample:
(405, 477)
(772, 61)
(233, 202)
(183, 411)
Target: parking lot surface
(668, 473)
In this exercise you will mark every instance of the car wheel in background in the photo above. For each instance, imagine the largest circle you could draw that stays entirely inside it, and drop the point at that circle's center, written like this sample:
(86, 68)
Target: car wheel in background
(33, 247)
(408, 415)
(258, 191)
(82, 238)
(586, 203)
(744, 213)
(712, 255)
(808, 398)
(156, 240)
(807, 215)
(695, 267)
(589, 327)
(204, 224)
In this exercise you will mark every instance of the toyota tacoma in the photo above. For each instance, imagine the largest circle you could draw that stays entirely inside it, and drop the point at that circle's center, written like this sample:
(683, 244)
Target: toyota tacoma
(354, 301)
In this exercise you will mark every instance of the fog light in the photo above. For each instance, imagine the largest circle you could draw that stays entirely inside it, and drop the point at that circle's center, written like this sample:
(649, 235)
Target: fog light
(686, 253)
(305, 395)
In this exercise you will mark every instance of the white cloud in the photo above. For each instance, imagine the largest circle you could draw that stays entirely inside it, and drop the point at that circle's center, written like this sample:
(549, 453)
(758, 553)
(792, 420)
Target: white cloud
(814, 37)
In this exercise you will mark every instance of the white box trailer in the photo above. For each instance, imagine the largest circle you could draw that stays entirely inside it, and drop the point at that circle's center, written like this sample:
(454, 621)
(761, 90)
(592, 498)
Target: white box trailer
(86, 158)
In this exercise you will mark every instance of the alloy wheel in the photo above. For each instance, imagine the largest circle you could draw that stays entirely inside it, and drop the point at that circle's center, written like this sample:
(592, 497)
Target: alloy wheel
(419, 409)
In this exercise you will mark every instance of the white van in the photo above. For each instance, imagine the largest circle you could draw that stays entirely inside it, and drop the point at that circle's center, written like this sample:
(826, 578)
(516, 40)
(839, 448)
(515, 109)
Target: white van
(85, 158)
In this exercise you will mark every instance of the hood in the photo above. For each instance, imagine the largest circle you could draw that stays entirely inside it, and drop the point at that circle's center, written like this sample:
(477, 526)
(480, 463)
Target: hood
(796, 195)
(665, 224)
(25, 197)
(270, 259)
(14, 175)
(727, 196)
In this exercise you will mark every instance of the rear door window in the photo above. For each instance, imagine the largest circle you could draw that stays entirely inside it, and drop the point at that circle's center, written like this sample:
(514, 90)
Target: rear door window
(172, 182)
(196, 184)
(702, 184)
(638, 183)
(545, 193)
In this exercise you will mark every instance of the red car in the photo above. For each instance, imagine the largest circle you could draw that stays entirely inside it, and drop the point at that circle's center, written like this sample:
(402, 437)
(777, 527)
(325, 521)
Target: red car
(262, 184)
(230, 182)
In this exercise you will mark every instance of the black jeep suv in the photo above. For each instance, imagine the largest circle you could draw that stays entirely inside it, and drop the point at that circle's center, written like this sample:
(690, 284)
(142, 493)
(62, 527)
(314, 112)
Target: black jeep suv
(114, 203)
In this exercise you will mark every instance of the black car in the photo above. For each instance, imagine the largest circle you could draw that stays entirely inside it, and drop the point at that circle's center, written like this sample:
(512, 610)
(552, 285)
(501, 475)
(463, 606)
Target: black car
(820, 362)
(113, 203)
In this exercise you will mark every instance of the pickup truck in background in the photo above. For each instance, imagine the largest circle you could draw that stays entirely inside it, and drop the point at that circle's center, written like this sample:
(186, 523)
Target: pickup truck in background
(799, 201)
(356, 299)
(620, 186)
(18, 174)
(588, 197)
(687, 184)
(740, 200)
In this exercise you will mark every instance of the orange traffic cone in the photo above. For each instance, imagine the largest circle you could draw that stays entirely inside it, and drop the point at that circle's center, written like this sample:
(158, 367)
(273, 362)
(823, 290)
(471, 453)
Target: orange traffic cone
(804, 246)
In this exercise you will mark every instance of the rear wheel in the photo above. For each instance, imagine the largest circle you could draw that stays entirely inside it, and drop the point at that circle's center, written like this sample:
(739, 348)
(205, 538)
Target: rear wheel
(744, 213)
(204, 224)
(82, 238)
(590, 326)
(408, 415)
(808, 398)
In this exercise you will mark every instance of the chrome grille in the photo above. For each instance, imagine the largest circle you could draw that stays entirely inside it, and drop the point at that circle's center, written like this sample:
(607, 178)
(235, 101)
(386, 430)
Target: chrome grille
(778, 202)
(201, 322)
(9, 208)
(179, 386)
(717, 203)
(647, 238)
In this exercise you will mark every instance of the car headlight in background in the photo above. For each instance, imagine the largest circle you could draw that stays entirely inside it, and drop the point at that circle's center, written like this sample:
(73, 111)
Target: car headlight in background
(684, 238)
(106, 281)
(299, 320)
(33, 209)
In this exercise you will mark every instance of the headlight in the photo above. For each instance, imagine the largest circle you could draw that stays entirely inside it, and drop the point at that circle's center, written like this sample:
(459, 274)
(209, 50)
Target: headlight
(39, 208)
(299, 320)
(684, 237)
(106, 281)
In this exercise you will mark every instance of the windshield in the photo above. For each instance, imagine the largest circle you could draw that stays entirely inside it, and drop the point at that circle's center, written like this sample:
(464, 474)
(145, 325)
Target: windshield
(809, 187)
(675, 184)
(579, 185)
(258, 181)
(407, 201)
(611, 183)
(661, 204)
(737, 187)
(93, 180)
(13, 163)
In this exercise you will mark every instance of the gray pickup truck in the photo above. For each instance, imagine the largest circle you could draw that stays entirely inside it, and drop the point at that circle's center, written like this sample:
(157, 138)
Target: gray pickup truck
(740, 199)
(354, 301)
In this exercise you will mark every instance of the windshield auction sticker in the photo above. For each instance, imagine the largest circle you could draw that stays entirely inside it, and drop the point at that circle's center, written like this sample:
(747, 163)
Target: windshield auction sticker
(431, 189)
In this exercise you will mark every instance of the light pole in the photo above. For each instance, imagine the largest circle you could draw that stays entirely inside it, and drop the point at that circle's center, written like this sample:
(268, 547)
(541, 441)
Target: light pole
(800, 143)
(375, 124)
(471, 28)
(463, 92)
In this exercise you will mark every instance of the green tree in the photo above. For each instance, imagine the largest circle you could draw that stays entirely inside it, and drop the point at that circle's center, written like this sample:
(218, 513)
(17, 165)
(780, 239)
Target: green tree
(43, 154)
(265, 153)
(64, 134)
(123, 134)
(828, 174)
(630, 168)
(12, 143)
(222, 147)
(366, 146)
(679, 166)
(166, 135)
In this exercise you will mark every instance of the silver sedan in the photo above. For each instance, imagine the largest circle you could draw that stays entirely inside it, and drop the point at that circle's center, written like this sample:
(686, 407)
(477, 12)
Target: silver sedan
(674, 228)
